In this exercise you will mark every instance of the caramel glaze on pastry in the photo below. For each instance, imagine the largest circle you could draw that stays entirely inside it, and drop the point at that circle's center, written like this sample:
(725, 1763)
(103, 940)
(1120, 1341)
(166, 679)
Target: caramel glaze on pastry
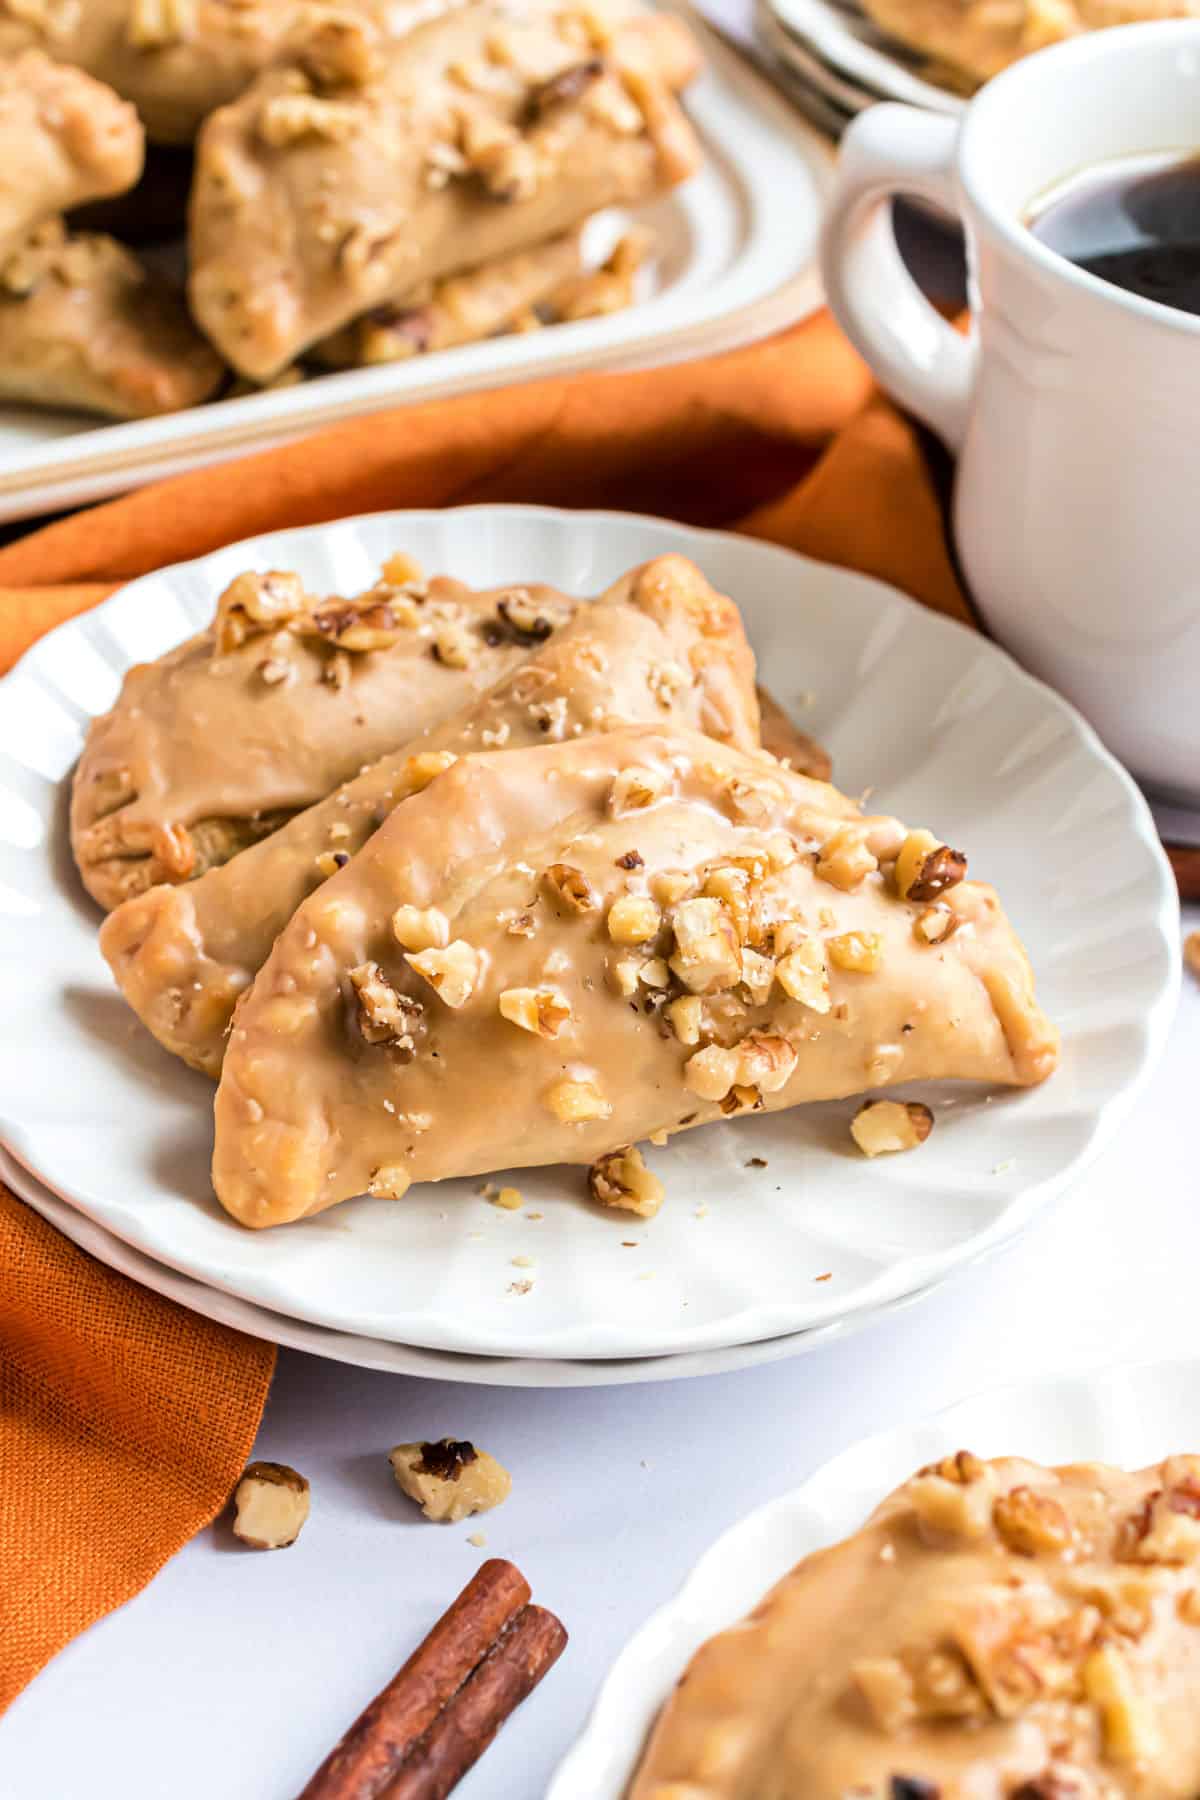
(336, 185)
(996, 1631)
(64, 139)
(974, 41)
(174, 59)
(84, 325)
(661, 644)
(218, 742)
(547, 954)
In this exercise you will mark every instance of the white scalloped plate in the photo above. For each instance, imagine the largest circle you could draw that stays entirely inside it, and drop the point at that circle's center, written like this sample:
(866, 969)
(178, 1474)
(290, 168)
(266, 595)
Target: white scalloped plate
(1130, 1417)
(406, 1359)
(856, 52)
(948, 729)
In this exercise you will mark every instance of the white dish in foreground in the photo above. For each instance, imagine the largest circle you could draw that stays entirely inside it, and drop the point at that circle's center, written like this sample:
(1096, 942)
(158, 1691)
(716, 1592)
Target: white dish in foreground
(839, 34)
(1130, 1417)
(406, 1359)
(736, 260)
(961, 737)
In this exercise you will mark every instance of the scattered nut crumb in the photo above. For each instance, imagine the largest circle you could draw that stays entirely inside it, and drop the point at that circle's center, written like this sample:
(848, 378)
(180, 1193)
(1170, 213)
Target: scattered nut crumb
(757, 1162)
(882, 1127)
(522, 1262)
(828, 1276)
(621, 1179)
(272, 1504)
(449, 1480)
(477, 1540)
(509, 1198)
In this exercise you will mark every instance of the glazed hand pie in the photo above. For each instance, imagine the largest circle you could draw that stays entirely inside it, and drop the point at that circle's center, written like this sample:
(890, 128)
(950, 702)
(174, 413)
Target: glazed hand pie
(337, 184)
(64, 139)
(220, 741)
(996, 1631)
(549, 953)
(175, 59)
(661, 644)
(85, 325)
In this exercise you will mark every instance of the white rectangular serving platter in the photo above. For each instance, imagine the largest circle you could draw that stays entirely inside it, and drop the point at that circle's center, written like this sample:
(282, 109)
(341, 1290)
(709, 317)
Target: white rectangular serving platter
(736, 260)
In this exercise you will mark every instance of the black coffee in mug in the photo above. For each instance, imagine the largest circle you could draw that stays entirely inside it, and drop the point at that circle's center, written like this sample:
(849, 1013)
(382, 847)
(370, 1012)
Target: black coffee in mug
(1134, 222)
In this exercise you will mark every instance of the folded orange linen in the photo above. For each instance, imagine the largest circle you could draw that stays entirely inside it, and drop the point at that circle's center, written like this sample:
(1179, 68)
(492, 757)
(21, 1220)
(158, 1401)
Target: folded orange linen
(124, 1421)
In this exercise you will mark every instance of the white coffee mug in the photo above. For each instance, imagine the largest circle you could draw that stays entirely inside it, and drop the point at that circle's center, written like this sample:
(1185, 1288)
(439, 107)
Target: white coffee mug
(1073, 406)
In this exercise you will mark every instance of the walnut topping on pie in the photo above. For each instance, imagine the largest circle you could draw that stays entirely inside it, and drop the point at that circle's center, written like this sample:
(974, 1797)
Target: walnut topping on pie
(925, 869)
(981, 1627)
(385, 1016)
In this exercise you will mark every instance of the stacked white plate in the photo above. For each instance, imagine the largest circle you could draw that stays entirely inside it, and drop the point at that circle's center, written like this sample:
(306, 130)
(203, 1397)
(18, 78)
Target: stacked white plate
(113, 1137)
(831, 51)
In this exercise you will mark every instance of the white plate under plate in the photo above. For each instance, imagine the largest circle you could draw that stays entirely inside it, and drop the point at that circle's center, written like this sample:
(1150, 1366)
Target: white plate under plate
(736, 260)
(944, 724)
(407, 1359)
(1130, 1417)
(839, 34)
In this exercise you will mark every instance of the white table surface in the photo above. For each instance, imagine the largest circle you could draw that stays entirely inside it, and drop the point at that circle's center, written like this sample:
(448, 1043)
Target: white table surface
(235, 1671)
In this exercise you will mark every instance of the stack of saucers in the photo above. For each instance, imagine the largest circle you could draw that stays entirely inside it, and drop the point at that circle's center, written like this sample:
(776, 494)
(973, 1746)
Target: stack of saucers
(836, 62)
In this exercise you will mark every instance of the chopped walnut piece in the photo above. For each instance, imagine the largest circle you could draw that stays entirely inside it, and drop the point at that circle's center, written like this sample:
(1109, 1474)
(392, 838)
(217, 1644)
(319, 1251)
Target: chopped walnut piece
(1130, 1732)
(272, 1503)
(731, 885)
(707, 955)
(385, 1016)
(930, 1684)
(883, 1127)
(711, 1073)
(153, 24)
(685, 1015)
(509, 1199)
(425, 767)
(541, 1010)
(1167, 1530)
(527, 622)
(803, 975)
(452, 973)
(634, 789)
(568, 85)
(452, 645)
(844, 859)
(287, 118)
(420, 928)
(935, 924)
(401, 570)
(621, 1179)
(953, 1498)
(449, 1480)
(390, 1181)
(766, 1060)
(340, 51)
(925, 868)
(1030, 1522)
(577, 1102)
(633, 919)
(670, 886)
(569, 888)
(255, 603)
(330, 861)
(758, 976)
(858, 952)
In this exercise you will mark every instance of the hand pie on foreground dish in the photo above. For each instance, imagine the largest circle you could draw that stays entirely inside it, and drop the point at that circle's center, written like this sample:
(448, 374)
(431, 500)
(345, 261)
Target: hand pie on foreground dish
(661, 644)
(284, 696)
(549, 953)
(996, 1631)
(331, 188)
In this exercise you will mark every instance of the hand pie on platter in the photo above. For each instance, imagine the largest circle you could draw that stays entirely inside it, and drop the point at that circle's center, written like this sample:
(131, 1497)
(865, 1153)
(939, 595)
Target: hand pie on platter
(85, 325)
(283, 697)
(996, 1631)
(64, 139)
(328, 190)
(547, 954)
(661, 644)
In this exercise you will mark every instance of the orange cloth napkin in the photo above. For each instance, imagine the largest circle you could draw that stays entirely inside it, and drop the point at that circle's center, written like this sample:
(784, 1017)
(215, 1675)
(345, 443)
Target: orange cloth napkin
(124, 1421)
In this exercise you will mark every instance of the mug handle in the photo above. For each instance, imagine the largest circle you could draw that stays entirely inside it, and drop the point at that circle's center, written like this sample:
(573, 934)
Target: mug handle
(927, 365)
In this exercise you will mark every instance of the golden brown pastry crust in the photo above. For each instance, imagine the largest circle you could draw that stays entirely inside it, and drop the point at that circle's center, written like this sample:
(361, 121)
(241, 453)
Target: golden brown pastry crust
(84, 325)
(974, 39)
(64, 139)
(996, 1631)
(326, 191)
(218, 742)
(661, 644)
(176, 60)
(610, 938)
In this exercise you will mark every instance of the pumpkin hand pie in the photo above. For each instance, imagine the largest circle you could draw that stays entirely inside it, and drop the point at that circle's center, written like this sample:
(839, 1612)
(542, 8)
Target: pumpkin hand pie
(64, 139)
(549, 953)
(283, 697)
(996, 1631)
(334, 186)
(661, 644)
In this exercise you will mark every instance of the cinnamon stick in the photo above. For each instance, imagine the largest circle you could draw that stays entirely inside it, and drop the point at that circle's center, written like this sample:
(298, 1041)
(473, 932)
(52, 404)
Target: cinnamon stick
(371, 1752)
(461, 1734)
